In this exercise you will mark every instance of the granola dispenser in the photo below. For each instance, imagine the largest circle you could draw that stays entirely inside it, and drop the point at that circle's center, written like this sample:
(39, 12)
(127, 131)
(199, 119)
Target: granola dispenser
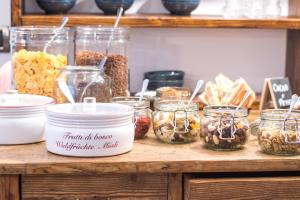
(224, 127)
(35, 69)
(279, 134)
(175, 122)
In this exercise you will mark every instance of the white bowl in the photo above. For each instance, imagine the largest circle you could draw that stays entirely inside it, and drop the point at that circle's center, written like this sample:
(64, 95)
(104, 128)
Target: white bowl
(94, 130)
(22, 118)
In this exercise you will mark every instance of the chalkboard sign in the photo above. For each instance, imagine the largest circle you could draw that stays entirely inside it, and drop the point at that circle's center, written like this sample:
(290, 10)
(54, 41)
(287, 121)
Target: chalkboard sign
(278, 90)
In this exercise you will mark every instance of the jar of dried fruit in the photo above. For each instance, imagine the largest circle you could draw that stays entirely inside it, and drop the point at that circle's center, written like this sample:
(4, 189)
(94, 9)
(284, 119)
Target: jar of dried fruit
(142, 114)
(279, 134)
(92, 43)
(175, 122)
(224, 127)
(84, 81)
(36, 67)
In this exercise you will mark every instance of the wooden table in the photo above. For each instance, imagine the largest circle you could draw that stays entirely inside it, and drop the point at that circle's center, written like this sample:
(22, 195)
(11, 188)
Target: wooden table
(152, 170)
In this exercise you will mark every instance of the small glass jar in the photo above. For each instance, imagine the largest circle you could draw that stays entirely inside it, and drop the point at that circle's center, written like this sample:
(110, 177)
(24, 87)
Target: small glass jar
(92, 43)
(36, 67)
(175, 122)
(277, 134)
(84, 81)
(142, 114)
(224, 127)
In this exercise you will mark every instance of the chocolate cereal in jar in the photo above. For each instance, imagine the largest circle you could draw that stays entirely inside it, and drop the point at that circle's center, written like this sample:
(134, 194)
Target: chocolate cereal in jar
(92, 44)
(278, 133)
(224, 127)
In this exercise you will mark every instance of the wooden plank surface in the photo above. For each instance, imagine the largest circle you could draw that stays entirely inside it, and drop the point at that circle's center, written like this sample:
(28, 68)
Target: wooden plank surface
(9, 187)
(108, 186)
(159, 21)
(278, 188)
(148, 156)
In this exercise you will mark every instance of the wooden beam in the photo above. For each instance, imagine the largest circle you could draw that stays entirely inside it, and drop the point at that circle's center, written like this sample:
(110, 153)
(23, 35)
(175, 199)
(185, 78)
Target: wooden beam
(293, 49)
(16, 12)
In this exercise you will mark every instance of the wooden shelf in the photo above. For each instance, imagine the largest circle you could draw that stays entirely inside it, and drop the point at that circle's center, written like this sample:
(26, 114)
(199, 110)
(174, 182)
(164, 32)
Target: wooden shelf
(168, 21)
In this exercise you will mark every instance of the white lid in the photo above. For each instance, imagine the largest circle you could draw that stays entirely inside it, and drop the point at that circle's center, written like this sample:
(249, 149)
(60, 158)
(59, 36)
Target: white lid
(102, 114)
(23, 101)
(23, 104)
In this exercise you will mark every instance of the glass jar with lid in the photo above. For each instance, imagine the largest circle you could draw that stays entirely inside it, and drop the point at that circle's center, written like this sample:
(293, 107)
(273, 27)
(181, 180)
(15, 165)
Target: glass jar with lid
(175, 122)
(224, 127)
(92, 43)
(142, 114)
(35, 60)
(279, 134)
(84, 81)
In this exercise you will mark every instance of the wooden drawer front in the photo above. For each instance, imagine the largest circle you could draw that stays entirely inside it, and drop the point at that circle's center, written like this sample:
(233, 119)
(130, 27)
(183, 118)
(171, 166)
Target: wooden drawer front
(83, 187)
(282, 188)
(9, 187)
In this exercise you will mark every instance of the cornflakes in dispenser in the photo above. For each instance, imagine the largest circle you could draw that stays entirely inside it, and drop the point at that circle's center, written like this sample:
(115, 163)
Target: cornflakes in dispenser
(35, 71)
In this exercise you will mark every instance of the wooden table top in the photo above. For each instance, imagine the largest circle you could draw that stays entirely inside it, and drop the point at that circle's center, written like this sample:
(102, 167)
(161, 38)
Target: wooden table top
(148, 156)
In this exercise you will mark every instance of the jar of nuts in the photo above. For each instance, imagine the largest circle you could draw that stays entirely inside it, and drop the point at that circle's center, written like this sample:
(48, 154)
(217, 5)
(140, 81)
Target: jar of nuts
(142, 114)
(92, 43)
(224, 127)
(279, 134)
(175, 122)
(36, 69)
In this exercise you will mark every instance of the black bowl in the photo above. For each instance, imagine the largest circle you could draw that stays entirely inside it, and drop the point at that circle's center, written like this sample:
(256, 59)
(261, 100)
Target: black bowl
(56, 6)
(180, 7)
(155, 84)
(110, 7)
(165, 75)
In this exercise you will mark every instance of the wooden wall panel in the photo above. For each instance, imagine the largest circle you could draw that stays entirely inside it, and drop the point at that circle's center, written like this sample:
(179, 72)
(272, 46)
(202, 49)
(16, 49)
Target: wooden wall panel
(107, 186)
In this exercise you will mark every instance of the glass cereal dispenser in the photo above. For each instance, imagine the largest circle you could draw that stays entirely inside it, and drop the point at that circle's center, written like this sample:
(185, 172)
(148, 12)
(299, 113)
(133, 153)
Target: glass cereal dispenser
(35, 66)
(92, 43)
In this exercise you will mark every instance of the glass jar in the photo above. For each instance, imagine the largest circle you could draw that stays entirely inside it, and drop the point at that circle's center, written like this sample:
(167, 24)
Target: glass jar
(175, 122)
(84, 81)
(92, 44)
(36, 67)
(224, 127)
(277, 134)
(142, 114)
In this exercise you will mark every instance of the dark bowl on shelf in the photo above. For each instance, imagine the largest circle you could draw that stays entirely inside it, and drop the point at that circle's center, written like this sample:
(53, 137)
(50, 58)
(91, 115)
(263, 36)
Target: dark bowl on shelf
(56, 6)
(165, 75)
(167, 78)
(180, 7)
(110, 7)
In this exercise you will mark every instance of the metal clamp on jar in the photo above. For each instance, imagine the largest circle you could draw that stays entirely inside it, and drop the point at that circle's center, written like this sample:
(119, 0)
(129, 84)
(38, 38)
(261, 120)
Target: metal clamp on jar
(224, 127)
(225, 122)
(277, 134)
(175, 122)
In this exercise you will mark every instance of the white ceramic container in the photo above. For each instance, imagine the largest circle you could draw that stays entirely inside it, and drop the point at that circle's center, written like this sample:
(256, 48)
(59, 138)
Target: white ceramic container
(103, 129)
(22, 118)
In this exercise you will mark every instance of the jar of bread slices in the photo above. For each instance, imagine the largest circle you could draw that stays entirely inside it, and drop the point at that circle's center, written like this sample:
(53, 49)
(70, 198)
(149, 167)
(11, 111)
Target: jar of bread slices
(224, 127)
(278, 133)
